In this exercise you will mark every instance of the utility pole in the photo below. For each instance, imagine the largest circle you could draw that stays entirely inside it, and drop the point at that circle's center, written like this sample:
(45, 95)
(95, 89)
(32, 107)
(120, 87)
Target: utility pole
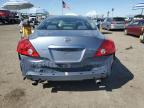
(108, 14)
(112, 12)
(142, 12)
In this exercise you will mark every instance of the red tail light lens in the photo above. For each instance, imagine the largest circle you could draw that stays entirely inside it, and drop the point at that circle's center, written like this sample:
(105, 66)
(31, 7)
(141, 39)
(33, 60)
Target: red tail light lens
(25, 48)
(106, 48)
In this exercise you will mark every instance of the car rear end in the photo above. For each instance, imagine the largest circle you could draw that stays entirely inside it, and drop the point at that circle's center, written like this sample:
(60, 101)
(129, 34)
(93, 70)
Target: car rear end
(118, 23)
(7, 16)
(4, 15)
(62, 55)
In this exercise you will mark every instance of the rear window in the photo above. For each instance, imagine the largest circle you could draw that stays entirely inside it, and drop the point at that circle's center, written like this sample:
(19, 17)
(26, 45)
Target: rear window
(67, 24)
(118, 19)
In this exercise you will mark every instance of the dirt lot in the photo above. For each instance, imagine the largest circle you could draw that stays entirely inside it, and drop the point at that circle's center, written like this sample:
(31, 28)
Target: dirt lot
(125, 88)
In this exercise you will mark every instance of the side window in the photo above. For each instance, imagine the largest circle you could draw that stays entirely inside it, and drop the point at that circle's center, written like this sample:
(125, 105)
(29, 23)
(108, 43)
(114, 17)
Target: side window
(141, 23)
(135, 23)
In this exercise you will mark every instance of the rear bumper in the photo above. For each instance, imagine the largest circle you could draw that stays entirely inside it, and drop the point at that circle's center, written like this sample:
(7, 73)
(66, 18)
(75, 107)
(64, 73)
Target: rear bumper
(115, 26)
(39, 73)
(67, 76)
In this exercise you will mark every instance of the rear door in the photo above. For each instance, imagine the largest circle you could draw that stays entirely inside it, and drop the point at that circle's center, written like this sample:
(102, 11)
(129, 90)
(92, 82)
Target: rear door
(132, 28)
(137, 28)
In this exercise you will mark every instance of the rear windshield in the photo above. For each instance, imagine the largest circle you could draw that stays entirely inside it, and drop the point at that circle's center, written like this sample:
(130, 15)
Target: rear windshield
(118, 19)
(67, 24)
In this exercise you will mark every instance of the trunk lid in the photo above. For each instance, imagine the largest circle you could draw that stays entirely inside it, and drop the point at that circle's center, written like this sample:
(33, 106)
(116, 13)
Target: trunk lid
(66, 46)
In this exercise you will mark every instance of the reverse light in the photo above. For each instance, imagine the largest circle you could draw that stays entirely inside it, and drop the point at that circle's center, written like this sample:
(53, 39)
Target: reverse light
(25, 48)
(106, 48)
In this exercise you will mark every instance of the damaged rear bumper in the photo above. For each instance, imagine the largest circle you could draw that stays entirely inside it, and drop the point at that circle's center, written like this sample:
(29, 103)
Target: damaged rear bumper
(67, 76)
(33, 72)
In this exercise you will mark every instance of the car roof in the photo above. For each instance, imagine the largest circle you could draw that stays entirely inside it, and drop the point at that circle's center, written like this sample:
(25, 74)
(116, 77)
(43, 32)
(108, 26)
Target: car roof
(138, 20)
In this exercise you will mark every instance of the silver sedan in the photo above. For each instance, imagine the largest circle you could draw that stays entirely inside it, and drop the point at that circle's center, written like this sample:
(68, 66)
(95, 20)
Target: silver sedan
(66, 48)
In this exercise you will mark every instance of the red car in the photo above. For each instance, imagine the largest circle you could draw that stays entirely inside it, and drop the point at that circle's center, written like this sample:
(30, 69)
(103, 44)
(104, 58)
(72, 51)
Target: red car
(135, 28)
(7, 16)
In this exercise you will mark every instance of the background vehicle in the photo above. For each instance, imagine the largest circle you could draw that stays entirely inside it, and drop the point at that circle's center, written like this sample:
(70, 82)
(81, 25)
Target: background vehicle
(98, 21)
(7, 16)
(135, 28)
(32, 18)
(66, 48)
(114, 23)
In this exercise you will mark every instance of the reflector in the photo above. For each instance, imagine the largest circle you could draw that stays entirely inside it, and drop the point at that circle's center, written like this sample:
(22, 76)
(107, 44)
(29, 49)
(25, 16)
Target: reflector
(106, 48)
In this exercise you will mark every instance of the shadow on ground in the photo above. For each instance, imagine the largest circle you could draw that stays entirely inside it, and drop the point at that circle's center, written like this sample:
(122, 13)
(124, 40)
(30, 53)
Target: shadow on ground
(119, 77)
(117, 30)
(133, 36)
(106, 32)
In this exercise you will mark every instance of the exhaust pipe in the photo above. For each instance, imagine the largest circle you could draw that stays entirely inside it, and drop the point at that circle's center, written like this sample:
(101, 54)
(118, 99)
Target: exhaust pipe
(98, 81)
(35, 83)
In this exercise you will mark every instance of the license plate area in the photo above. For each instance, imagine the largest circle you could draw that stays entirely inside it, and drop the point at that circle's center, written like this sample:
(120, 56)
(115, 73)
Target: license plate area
(67, 55)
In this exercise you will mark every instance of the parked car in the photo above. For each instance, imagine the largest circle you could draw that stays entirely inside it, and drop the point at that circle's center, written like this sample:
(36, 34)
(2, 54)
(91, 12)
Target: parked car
(135, 28)
(98, 21)
(32, 18)
(114, 23)
(66, 48)
(7, 16)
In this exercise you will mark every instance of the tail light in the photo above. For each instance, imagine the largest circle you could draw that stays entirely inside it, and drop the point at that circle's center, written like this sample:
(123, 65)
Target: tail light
(25, 48)
(106, 48)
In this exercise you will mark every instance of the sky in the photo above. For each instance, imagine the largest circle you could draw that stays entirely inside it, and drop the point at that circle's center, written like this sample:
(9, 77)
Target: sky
(121, 7)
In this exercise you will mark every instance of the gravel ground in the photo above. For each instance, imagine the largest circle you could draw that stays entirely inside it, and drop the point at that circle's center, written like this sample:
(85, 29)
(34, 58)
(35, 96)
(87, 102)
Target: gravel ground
(124, 89)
